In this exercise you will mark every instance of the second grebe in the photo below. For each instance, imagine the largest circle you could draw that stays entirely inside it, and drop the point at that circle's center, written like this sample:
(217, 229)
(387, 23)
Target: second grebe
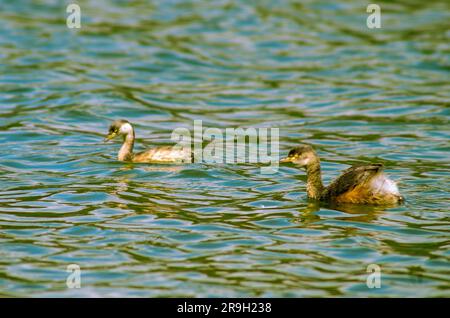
(358, 184)
(164, 154)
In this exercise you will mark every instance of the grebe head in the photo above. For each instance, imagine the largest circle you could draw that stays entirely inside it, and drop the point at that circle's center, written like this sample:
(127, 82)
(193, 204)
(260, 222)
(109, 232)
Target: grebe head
(119, 127)
(302, 156)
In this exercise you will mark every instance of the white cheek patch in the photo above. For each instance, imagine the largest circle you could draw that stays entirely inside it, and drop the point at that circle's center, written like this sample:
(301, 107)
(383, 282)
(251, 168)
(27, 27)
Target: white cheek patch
(126, 129)
(302, 161)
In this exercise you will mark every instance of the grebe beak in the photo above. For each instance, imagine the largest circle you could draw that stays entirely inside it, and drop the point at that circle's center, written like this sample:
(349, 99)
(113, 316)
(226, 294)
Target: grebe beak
(109, 137)
(287, 159)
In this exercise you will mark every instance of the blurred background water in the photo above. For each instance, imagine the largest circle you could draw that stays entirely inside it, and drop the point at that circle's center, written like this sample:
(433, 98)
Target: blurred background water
(311, 68)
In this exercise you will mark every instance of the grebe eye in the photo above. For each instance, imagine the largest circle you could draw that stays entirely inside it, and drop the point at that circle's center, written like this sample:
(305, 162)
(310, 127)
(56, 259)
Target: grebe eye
(294, 153)
(113, 130)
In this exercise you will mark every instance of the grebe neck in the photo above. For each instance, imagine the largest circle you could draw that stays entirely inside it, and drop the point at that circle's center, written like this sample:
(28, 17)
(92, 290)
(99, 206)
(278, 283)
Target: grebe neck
(314, 186)
(126, 151)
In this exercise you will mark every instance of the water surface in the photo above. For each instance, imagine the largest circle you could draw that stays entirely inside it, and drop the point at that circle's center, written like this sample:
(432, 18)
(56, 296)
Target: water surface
(312, 68)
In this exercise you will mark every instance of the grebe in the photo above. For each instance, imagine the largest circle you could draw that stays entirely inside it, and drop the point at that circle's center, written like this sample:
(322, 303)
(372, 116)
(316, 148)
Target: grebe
(358, 184)
(164, 154)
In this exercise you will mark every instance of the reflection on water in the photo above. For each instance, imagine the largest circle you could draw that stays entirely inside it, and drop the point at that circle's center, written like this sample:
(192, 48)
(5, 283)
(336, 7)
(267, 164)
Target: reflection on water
(312, 69)
(352, 212)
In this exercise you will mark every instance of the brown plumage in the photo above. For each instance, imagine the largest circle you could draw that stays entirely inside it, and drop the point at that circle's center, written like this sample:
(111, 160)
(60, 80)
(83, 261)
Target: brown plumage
(164, 154)
(358, 184)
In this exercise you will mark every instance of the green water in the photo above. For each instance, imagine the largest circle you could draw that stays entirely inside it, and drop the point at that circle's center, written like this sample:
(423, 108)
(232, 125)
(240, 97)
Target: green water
(312, 68)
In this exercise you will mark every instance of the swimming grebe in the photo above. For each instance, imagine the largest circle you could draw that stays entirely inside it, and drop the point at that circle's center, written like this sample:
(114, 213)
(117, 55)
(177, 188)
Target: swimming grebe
(358, 184)
(164, 154)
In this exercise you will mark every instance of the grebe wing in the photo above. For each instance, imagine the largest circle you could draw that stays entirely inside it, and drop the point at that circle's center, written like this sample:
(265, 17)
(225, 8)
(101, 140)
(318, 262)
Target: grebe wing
(350, 178)
(164, 154)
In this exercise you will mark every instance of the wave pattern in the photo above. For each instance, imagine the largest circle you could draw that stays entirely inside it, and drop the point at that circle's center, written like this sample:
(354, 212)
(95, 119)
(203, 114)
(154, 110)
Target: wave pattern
(312, 69)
